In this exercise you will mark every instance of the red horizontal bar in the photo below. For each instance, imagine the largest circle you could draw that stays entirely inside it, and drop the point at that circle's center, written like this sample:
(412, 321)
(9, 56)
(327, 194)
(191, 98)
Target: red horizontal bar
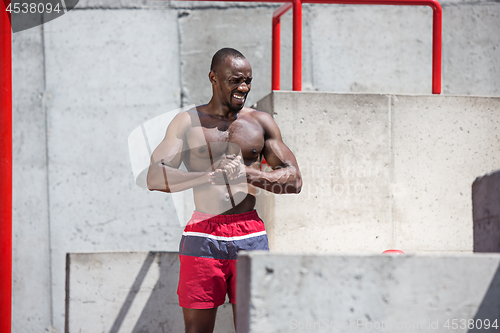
(432, 3)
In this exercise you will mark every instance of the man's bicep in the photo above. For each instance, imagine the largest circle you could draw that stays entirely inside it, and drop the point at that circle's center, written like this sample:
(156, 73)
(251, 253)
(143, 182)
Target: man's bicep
(276, 153)
(171, 147)
(168, 151)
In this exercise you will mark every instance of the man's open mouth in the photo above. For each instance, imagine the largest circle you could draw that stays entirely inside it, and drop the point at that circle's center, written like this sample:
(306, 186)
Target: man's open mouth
(239, 98)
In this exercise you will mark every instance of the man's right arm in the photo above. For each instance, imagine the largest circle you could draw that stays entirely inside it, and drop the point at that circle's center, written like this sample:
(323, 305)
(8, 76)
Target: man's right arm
(164, 174)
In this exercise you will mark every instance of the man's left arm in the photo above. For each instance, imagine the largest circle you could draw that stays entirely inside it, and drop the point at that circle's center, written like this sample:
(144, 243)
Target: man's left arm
(285, 177)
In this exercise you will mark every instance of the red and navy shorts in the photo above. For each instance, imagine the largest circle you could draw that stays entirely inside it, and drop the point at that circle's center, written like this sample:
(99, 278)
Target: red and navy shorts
(207, 254)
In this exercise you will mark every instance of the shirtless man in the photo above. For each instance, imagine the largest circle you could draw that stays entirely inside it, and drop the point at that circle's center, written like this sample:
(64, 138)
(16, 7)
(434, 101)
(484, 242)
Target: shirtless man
(221, 145)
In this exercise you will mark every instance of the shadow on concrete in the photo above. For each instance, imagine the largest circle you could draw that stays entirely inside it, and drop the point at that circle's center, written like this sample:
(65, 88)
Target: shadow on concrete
(490, 306)
(133, 292)
(162, 312)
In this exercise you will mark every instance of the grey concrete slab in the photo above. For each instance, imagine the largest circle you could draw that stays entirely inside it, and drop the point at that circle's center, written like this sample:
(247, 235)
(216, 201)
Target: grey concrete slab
(107, 72)
(203, 32)
(440, 145)
(381, 171)
(219, 4)
(367, 293)
(31, 299)
(206, 31)
(159, 4)
(376, 49)
(342, 145)
(471, 53)
(389, 49)
(128, 292)
(486, 212)
(116, 4)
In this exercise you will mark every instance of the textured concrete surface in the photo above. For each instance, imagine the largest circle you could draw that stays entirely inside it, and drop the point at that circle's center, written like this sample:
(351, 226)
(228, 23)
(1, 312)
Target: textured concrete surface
(206, 31)
(470, 52)
(342, 145)
(30, 213)
(372, 48)
(101, 84)
(388, 49)
(98, 72)
(486, 212)
(440, 145)
(381, 171)
(128, 292)
(370, 293)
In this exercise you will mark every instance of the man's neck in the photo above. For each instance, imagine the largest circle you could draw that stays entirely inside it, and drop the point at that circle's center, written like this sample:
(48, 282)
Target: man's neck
(215, 108)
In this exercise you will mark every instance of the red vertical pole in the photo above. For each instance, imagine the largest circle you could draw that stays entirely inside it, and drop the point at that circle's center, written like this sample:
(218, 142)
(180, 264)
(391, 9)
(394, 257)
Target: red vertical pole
(276, 43)
(437, 17)
(5, 169)
(297, 45)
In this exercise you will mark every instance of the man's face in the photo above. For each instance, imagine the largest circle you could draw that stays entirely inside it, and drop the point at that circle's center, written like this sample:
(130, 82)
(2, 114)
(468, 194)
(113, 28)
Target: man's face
(234, 82)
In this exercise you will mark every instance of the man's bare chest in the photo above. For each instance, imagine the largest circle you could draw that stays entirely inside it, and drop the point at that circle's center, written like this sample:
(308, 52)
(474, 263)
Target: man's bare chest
(238, 137)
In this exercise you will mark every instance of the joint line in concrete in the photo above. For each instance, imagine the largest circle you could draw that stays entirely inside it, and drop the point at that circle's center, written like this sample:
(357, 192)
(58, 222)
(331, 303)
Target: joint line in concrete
(49, 225)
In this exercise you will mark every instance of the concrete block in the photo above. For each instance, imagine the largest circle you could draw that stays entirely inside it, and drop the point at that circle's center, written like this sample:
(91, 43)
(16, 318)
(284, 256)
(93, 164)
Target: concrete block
(376, 49)
(155, 4)
(106, 73)
(471, 54)
(31, 269)
(486, 212)
(342, 145)
(206, 31)
(248, 5)
(127, 292)
(203, 32)
(115, 4)
(370, 293)
(440, 145)
(381, 171)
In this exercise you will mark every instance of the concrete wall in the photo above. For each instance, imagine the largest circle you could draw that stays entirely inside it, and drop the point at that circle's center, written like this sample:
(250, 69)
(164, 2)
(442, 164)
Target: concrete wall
(128, 292)
(32, 301)
(335, 293)
(486, 212)
(381, 171)
(88, 78)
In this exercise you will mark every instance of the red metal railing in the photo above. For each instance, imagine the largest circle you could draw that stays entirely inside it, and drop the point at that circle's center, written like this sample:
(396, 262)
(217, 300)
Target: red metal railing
(5, 168)
(276, 43)
(297, 42)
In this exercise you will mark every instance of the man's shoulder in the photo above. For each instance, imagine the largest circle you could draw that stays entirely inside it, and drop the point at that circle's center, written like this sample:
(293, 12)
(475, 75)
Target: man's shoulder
(183, 120)
(261, 116)
(266, 122)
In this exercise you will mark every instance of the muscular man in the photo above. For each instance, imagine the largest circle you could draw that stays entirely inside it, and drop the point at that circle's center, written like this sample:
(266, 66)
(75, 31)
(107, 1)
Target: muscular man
(221, 145)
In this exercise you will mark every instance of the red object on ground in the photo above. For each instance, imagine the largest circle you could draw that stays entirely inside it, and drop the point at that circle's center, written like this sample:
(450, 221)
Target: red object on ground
(394, 251)
(262, 163)
(5, 169)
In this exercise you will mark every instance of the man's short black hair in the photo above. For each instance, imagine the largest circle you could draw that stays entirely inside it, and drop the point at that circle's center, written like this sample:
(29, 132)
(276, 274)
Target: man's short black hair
(221, 55)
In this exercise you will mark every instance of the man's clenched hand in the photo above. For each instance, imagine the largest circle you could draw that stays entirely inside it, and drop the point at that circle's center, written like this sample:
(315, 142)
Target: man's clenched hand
(229, 170)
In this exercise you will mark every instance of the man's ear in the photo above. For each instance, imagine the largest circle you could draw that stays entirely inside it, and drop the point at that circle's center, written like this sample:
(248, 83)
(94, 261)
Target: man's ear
(212, 77)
